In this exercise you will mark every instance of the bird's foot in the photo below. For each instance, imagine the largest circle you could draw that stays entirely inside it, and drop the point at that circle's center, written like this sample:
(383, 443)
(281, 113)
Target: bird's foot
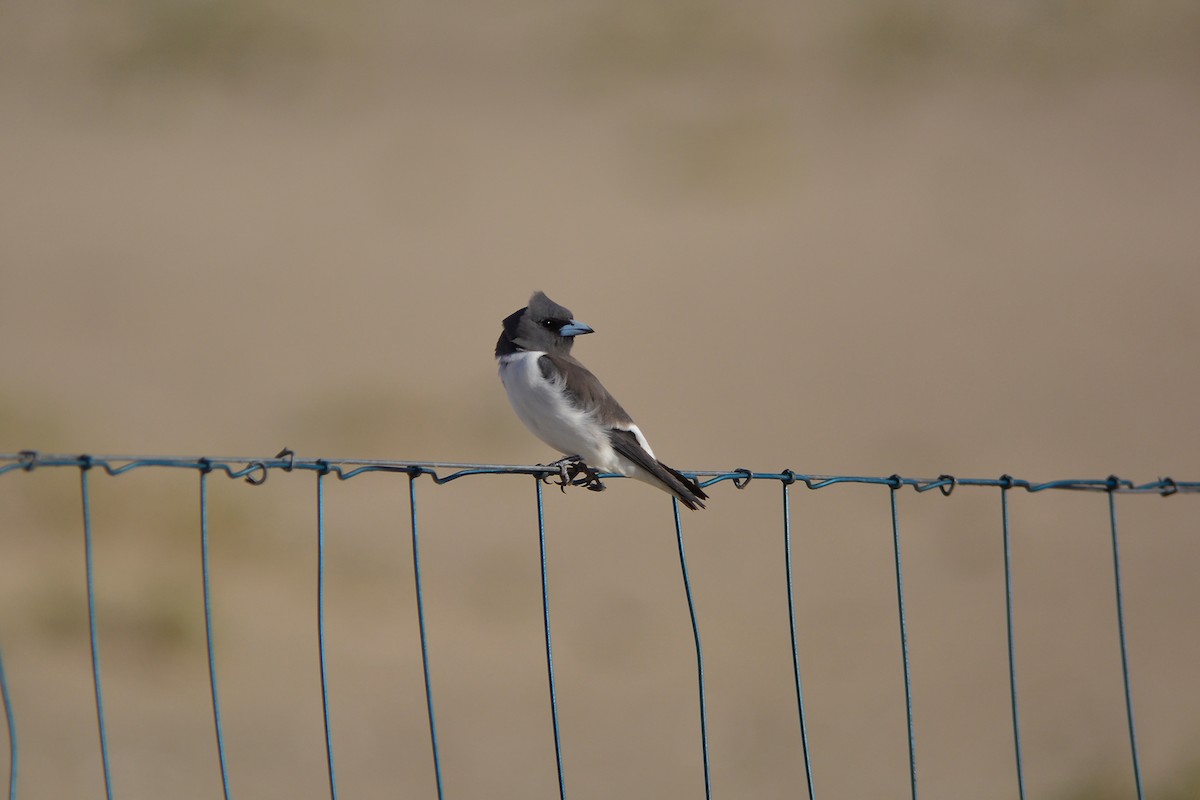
(573, 471)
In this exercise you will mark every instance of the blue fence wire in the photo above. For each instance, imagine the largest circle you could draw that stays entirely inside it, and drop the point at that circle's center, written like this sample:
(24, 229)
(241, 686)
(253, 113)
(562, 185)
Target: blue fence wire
(11, 725)
(257, 470)
(908, 705)
(1012, 656)
(321, 473)
(206, 575)
(416, 551)
(791, 604)
(1116, 552)
(691, 604)
(558, 758)
(85, 494)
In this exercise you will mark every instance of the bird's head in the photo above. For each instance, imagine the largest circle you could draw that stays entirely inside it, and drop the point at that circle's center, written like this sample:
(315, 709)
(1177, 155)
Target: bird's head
(542, 325)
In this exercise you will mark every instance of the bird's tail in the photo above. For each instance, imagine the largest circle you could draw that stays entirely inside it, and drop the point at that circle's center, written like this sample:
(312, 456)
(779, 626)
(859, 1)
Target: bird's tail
(684, 488)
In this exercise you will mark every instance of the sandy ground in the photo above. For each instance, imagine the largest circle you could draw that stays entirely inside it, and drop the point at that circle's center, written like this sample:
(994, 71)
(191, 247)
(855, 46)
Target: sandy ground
(901, 238)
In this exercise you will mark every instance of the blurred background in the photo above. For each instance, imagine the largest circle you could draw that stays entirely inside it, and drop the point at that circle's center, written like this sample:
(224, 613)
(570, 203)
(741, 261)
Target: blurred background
(868, 238)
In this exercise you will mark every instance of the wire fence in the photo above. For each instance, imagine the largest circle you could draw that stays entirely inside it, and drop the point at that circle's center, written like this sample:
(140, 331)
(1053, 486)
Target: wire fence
(257, 470)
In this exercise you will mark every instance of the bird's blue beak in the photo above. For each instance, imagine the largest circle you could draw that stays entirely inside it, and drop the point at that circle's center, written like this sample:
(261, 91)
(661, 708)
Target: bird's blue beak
(574, 328)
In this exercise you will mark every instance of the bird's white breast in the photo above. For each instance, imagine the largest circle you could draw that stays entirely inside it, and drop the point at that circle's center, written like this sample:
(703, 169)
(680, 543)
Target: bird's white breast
(546, 411)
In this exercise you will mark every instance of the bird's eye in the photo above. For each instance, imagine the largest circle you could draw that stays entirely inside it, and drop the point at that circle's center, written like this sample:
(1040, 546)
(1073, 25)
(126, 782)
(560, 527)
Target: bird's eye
(550, 324)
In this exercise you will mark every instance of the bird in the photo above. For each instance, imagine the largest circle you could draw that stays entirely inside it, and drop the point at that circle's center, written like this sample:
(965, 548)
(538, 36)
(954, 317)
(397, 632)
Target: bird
(565, 405)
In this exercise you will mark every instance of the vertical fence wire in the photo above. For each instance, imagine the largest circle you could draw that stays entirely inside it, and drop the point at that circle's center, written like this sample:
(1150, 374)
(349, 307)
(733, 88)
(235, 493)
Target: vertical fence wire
(791, 604)
(687, 588)
(558, 760)
(85, 496)
(416, 551)
(321, 630)
(208, 631)
(1012, 659)
(908, 706)
(1116, 553)
(12, 732)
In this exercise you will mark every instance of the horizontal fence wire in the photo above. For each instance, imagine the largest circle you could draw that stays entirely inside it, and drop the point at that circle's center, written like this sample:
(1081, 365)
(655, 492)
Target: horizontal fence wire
(257, 470)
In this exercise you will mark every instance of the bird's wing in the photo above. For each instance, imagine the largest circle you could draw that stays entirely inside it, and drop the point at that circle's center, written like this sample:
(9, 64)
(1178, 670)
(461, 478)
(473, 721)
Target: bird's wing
(584, 389)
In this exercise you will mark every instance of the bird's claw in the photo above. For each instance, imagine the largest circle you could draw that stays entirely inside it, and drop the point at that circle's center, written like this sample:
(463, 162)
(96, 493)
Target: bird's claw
(573, 471)
(588, 478)
(567, 470)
